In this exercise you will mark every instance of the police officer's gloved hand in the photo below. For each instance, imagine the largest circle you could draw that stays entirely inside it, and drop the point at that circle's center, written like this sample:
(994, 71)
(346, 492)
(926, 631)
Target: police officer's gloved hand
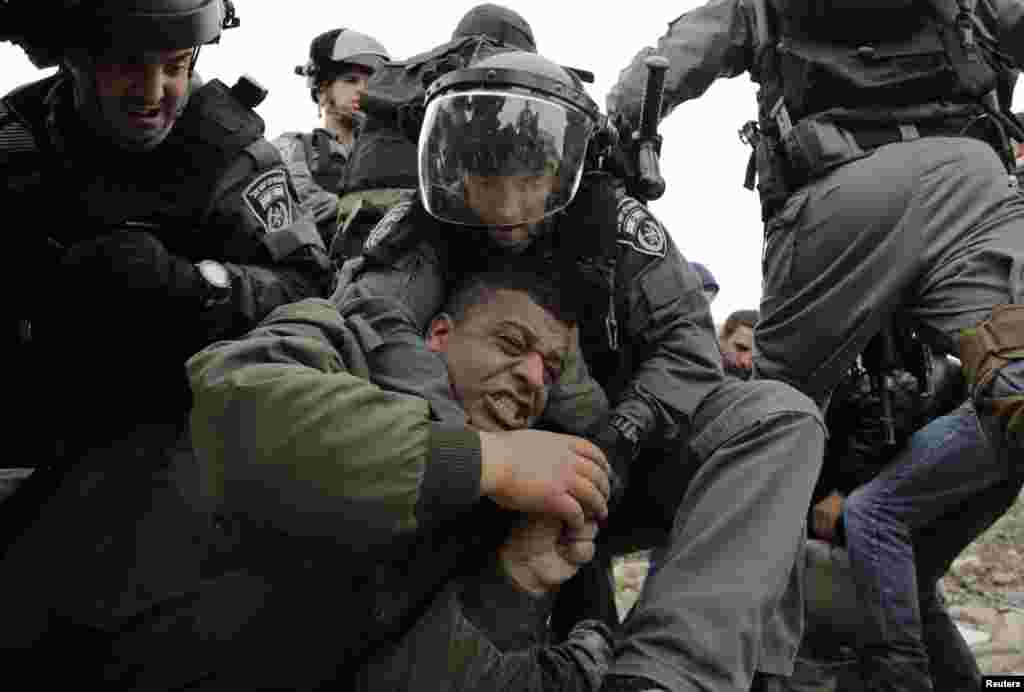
(129, 260)
(616, 437)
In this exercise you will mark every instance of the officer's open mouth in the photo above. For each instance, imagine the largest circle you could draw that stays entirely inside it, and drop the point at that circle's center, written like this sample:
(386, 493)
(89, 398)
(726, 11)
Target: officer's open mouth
(507, 412)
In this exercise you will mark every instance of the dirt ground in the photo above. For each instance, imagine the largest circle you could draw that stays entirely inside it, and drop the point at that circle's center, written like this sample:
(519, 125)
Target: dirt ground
(985, 589)
(991, 570)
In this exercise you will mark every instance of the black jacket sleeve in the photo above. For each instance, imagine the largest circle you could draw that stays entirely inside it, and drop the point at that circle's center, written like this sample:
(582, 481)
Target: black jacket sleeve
(290, 262)
(482, 633)
(665, 323)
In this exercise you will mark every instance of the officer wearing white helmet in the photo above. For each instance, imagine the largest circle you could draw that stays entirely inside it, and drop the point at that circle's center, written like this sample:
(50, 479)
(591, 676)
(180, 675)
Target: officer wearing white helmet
(340, 63)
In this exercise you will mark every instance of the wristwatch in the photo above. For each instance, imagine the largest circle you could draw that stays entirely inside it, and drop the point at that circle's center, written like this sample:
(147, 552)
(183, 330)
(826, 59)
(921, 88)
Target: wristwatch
(629, 430)
(218, 282)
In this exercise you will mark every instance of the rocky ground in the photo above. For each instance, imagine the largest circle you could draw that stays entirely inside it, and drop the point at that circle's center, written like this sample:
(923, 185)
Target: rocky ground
(985, 590)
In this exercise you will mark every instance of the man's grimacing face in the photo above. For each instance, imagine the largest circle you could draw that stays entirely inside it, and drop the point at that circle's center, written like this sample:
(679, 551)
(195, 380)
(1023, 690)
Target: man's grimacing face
(502, 357)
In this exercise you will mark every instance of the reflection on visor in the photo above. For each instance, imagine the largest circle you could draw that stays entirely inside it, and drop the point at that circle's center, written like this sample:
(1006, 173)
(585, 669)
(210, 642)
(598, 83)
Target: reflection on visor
(500, 158)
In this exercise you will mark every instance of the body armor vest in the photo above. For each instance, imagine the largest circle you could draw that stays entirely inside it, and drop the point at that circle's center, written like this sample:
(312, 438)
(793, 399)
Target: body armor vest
(169, 191)
(87, 190)
(897, 55)
(327, 166)
(838, 79)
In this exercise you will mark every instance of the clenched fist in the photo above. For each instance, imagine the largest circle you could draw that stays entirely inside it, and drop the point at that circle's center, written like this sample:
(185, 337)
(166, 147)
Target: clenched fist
(541, 553)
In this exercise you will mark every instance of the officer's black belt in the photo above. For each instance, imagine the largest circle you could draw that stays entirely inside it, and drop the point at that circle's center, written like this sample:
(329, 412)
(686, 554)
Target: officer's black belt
(869, 138)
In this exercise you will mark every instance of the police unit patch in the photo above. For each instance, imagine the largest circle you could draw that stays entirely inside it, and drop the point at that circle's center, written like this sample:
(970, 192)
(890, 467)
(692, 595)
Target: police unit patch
(269, 200)
(640, 230)
(395, 214)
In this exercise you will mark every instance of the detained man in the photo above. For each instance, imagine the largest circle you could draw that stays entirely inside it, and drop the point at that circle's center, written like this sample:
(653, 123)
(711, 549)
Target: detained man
(359, 508)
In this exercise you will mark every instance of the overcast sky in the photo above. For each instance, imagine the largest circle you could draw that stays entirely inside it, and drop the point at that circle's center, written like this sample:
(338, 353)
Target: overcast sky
(711, 217)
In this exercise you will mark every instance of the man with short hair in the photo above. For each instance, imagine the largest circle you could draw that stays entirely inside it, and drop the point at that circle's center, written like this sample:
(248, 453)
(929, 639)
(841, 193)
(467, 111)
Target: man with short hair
(736, 339)
(503, 152)
(354, 507)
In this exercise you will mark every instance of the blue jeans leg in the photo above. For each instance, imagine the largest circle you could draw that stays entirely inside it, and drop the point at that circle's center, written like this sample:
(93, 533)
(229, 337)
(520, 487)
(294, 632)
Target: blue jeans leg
(946, 464)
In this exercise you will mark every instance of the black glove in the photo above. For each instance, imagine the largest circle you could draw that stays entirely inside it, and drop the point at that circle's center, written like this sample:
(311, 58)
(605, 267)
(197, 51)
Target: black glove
(129, 260)
(616, 436)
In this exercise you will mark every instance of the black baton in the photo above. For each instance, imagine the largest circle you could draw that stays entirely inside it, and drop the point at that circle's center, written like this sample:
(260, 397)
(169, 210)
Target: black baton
(650, 183)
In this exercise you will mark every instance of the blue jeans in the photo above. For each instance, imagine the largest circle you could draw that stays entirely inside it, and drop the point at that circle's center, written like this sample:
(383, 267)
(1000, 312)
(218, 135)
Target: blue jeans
(904, 528)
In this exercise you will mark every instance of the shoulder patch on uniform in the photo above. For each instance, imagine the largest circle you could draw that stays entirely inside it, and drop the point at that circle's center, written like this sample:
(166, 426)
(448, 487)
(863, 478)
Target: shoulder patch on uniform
(268, 199)
(384, 227)
(640, 230)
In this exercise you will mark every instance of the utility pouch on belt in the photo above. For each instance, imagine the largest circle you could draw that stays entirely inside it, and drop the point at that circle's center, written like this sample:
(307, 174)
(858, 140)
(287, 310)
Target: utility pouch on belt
(773, 175)
(814, 147)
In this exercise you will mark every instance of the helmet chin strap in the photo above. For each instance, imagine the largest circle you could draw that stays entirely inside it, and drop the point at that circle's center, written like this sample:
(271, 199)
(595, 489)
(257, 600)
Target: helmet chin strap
(103, 114)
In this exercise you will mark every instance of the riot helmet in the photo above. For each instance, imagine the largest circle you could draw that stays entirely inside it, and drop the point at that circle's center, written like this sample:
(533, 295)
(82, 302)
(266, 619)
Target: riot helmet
(64, 28)
(333, 52)
(151, 25)
(108, 45)
(499, 23)
(503, 142)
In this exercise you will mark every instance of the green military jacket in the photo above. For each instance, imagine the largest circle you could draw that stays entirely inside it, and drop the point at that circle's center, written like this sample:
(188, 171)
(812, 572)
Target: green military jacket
(364, 526)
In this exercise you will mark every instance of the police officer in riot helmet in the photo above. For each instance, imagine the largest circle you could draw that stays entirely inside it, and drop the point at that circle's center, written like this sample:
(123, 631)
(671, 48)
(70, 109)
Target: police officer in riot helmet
(166, 221)
(502, 154)
(381, 170)
(883, 161)
(504, 160)
(340, 62)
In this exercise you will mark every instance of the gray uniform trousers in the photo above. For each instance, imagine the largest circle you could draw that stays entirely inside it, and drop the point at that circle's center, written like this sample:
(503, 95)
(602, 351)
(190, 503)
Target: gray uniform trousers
(727, 598)
(928, 228)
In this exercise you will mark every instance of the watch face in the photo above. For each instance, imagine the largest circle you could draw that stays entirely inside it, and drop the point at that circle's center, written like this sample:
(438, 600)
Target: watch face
(215, 273)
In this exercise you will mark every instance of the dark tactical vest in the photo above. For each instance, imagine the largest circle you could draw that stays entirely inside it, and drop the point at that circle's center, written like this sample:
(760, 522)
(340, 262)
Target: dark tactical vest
(90, 375)
(840, 78)
(172, 191)
(326, 165)
(78, 191)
